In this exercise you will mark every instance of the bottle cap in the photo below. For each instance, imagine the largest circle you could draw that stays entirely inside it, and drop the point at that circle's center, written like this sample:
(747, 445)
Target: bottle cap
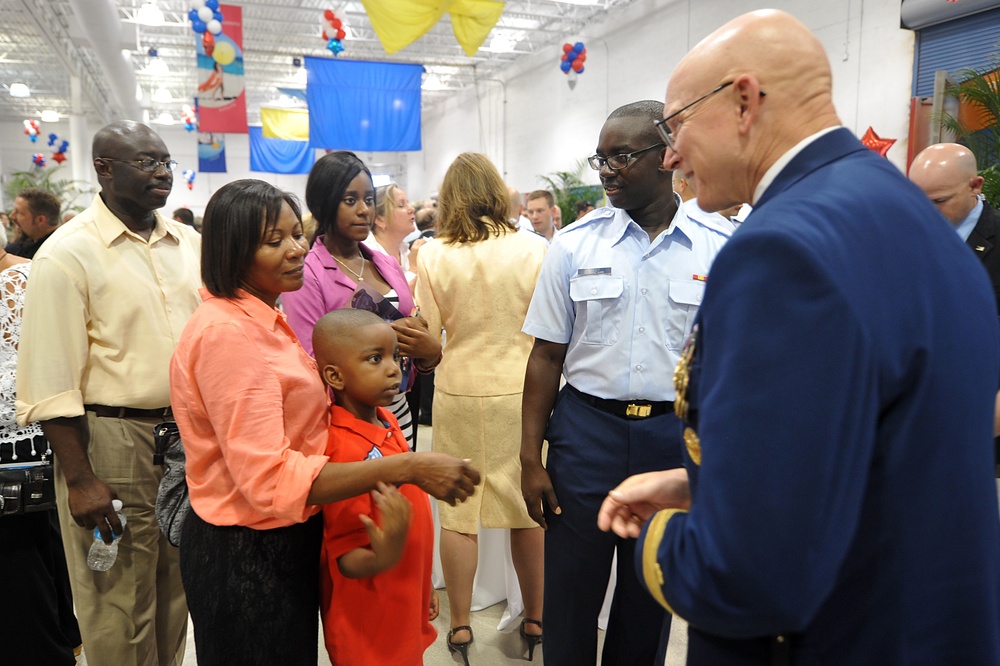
(116, 504)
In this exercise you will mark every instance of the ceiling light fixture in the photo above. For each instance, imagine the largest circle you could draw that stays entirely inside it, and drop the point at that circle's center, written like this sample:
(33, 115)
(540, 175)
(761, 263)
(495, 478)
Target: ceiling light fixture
(19, 90)
(157, 67)
(50, 116)
(432, 82)
(502, 44)
(150, 14)
(162, 96)
(164, 119)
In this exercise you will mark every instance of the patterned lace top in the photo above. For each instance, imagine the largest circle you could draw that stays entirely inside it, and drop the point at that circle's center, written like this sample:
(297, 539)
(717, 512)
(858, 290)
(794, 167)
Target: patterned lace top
(12, 284)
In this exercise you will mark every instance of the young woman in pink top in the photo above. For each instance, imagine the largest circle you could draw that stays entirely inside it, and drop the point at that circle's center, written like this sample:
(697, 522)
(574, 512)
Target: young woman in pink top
(341, 196)
(252, 412)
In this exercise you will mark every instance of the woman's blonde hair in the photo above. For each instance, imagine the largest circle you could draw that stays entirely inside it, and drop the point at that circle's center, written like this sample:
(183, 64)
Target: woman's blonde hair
(385, 202)
(473, 201)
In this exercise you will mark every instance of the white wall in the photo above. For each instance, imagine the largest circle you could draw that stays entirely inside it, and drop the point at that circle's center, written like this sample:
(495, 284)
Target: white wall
(16, 151)
(630, 54)
(531, 123)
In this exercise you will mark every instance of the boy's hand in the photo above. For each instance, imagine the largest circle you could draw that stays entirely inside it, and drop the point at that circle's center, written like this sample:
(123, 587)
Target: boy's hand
(389, 539)
(435, 608)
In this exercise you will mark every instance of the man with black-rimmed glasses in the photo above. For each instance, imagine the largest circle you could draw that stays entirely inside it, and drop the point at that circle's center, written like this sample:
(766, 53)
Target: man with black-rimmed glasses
(614, 302)
(110, 293)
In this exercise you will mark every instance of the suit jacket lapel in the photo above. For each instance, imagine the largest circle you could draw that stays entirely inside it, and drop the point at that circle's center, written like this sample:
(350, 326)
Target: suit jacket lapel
(983, 235)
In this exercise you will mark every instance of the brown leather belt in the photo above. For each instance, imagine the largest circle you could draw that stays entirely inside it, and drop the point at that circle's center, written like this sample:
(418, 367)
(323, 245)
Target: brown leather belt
(129, 412)
(629, 409)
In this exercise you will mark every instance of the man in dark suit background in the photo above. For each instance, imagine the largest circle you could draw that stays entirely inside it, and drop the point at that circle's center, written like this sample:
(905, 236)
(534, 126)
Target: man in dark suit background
(837, 504)
(948, 175)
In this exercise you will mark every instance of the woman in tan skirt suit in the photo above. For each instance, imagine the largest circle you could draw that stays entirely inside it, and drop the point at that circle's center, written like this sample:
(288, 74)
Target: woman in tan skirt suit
(475, 279)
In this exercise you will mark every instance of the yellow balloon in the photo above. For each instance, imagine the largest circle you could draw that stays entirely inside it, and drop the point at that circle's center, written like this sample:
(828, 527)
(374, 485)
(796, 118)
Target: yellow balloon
(224, 53)
(215, 144)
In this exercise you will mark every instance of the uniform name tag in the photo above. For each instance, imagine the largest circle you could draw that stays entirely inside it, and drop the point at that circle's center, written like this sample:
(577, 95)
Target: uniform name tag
(594, 271)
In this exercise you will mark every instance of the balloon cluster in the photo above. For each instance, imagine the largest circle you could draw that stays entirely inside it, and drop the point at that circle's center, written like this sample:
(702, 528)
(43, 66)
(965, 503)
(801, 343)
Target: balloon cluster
(31, 129)
(59, 155)
(574, 55)
(206, 20)
(189, 118)
(333, 32)
(38, 159)
(205, 17)
(189, 178)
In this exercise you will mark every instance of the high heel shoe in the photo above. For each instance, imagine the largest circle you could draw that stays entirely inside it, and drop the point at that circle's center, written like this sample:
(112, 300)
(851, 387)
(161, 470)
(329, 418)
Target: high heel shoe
(531, 639)
(461, 648)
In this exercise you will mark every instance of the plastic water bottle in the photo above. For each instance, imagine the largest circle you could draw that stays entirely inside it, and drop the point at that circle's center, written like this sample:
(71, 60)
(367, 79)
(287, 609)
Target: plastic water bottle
(102, 556)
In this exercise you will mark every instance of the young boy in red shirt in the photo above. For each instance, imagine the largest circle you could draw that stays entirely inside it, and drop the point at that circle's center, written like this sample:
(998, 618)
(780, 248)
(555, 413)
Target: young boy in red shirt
(377, 549)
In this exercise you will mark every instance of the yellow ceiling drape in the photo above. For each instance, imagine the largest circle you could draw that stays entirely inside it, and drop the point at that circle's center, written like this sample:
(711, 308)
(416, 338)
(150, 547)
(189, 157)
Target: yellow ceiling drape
(290, 124)
(399, 23)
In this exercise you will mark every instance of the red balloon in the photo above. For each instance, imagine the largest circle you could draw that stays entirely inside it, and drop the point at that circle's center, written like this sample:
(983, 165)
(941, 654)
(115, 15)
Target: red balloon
(581, 57)
(567, 48)
(577, 66)
(208, 43)
(341, 34)
(565, 57)
(328, 15)
(324, 35)
(337, 23)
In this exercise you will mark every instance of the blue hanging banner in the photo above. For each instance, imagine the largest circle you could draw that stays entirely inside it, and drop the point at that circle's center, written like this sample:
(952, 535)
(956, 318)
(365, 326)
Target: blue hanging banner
(279, 155)
(211, 152)
(364, 106)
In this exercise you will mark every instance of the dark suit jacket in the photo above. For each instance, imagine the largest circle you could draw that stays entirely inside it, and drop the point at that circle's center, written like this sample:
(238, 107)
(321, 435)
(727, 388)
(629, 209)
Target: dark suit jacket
(840, 444)
(983, 241)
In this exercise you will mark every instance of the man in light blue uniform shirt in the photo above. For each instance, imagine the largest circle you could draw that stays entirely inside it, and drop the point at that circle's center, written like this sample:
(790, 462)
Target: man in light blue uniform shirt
(615, 300)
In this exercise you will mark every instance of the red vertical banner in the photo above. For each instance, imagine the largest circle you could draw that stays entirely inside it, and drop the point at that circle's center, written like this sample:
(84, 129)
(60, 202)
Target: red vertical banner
(222, 102)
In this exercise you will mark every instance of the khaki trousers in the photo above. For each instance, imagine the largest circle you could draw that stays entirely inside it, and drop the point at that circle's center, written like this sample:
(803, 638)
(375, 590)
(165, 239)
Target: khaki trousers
(136, 612)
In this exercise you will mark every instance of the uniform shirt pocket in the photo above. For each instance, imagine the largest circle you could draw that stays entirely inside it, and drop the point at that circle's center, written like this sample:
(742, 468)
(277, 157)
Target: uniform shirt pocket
(685, 298)
(597, 299)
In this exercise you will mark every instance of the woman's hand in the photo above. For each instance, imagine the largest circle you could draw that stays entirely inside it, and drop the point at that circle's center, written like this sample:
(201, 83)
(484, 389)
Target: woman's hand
(416, 340)
(443, 476)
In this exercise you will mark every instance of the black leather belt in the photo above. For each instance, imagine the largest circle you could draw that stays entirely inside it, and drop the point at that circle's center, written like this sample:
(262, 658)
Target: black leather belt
(628, 409)
(129, 412)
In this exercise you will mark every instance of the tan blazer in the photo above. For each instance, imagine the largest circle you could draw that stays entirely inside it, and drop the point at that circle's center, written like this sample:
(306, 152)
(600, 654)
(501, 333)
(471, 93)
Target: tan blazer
(479, 293)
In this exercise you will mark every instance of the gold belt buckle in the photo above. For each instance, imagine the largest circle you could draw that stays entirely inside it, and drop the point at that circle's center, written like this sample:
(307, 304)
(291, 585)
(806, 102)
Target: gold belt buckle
(638, 411)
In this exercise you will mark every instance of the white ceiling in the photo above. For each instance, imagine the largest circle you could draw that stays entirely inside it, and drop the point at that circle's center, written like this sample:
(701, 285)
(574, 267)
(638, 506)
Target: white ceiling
(44, 45)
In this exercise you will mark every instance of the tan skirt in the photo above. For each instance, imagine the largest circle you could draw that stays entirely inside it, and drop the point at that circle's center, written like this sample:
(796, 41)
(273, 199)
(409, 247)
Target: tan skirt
(486, 430)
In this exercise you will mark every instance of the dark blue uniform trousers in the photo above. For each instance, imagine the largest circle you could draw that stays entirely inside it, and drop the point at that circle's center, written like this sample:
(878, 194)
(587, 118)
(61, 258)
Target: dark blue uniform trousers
(591, 452)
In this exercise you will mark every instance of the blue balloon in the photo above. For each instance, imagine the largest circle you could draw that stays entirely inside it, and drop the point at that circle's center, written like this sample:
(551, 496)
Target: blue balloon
(193, 15)
(581, 70)
(578, 47)
(336, 46)
(565, 66)
(199, 26)
(33, 137)
(63, 147)
(52, 139)
(212, 4)
(218, 16)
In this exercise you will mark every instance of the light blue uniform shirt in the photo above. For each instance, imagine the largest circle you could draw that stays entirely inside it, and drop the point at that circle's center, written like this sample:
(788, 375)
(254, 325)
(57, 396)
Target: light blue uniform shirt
(623, 305)
(965, 227)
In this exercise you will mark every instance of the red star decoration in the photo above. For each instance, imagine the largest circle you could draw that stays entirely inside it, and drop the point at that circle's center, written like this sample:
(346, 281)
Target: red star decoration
(58, 157)
(873, 141)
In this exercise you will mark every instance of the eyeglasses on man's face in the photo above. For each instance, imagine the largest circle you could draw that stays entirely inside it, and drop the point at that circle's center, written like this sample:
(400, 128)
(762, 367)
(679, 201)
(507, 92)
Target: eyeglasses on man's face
(668, 134)
(618, 162)
(148, 165)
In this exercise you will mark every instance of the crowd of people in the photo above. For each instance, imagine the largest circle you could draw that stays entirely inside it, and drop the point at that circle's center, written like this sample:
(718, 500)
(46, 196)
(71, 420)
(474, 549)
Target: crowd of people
(795, 457)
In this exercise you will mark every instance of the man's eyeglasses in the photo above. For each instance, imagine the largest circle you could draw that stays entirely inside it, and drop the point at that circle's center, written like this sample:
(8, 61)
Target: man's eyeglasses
(617, 162)
(664, 129)
(148, 165)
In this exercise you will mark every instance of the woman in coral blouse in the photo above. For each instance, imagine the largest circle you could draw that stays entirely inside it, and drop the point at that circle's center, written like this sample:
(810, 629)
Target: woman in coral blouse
(252, 412)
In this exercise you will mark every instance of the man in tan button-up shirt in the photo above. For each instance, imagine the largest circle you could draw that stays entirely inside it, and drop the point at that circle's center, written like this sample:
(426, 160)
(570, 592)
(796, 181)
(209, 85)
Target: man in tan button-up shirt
(109, 294)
